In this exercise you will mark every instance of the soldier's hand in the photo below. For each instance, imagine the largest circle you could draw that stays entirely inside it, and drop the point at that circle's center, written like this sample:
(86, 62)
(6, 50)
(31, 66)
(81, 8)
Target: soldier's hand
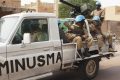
(85, 36)
(90, 41)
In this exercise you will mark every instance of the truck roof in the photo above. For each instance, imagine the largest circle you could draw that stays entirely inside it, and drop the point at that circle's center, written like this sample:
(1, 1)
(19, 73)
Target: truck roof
(31, 14)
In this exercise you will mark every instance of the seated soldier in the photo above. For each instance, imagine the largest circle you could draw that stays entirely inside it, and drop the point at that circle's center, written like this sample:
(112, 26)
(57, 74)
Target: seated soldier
(45, 32)
(36, 33)
(77, 33)
(97, 33)
(95, 30)
(63, 29)
(64, 26)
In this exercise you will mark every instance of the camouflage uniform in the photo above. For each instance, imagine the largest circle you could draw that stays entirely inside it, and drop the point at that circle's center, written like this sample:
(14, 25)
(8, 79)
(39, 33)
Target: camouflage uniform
(97, 33)
(77, 35)
(99, 12)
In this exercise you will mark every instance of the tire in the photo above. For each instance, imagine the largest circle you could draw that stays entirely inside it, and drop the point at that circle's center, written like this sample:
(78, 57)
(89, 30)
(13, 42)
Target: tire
(89, 69)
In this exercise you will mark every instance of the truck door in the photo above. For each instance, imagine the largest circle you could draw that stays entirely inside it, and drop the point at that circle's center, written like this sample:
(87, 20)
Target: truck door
(35, 58)
(3, 63)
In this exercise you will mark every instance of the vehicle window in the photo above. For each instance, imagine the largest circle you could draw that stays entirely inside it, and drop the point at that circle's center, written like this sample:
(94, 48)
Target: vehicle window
(7, 25)
(38, 28)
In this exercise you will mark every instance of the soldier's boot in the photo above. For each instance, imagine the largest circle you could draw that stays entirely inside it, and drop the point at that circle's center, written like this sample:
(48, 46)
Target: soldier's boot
(111, 49)
(86, 53)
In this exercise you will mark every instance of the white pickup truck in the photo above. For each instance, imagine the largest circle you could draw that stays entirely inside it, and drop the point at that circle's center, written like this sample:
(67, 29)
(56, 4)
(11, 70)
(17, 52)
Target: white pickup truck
(24, 59)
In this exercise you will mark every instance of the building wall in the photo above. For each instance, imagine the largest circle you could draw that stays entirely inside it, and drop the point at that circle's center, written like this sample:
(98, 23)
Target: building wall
(40, 7)
(112, 20)
(117, 10)
(45, 7)
(9, 7)
(10, 3)
(30, 6)
(56, 7)
(112, 13)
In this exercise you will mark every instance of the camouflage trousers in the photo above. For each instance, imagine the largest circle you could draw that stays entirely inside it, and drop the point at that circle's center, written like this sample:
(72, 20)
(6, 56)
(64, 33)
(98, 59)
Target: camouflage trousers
(108, 37)
(77, 39)
(103, 38)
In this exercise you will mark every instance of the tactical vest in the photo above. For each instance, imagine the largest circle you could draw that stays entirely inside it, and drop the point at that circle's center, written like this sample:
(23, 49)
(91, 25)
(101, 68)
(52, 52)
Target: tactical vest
(78, 30)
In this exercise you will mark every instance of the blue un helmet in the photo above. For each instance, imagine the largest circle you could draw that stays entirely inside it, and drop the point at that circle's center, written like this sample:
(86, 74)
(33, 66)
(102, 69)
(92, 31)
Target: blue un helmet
(79, 18)
(98, 3)
(96, 18)
(97, 21)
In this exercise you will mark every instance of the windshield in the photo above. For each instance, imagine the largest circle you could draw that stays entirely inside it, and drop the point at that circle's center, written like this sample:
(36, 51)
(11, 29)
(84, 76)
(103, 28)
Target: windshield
(6, 26)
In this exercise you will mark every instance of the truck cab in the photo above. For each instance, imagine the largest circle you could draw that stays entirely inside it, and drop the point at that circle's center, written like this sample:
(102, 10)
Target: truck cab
(30, 45)
(22, 58)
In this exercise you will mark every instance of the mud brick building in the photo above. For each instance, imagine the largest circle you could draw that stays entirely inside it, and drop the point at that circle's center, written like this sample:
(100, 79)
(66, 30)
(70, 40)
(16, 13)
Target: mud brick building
(112, 20)
(9, 7)
(40, 6)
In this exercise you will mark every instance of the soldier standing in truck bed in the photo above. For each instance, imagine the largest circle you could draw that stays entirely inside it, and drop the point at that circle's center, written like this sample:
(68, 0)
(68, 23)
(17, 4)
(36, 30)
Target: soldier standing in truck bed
(98, 11)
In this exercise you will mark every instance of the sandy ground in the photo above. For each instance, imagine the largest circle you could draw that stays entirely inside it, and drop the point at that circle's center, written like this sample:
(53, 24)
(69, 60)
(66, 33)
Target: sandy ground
(110, 69)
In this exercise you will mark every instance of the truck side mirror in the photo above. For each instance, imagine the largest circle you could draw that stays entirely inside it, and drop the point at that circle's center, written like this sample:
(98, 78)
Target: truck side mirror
(26, 38)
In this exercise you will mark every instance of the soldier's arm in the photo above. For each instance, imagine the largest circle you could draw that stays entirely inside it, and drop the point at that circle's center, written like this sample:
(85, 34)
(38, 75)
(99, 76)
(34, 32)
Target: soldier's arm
(71, 28)
(85, 33)
(102, 14)
(92, 14)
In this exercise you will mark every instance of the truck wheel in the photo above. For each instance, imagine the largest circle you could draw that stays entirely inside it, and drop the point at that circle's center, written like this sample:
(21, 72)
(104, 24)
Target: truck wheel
(89, 69)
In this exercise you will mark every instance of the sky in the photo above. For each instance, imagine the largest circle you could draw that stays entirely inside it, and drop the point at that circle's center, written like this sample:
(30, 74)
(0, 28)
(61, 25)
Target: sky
(105, 3)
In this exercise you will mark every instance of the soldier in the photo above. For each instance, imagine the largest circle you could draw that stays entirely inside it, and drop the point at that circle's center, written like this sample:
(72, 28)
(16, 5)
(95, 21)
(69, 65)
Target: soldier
(37, 34)
(64, 26)
(95, 30)
(102, 38)
(98, 11)
(63, 29)
(77, 33)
